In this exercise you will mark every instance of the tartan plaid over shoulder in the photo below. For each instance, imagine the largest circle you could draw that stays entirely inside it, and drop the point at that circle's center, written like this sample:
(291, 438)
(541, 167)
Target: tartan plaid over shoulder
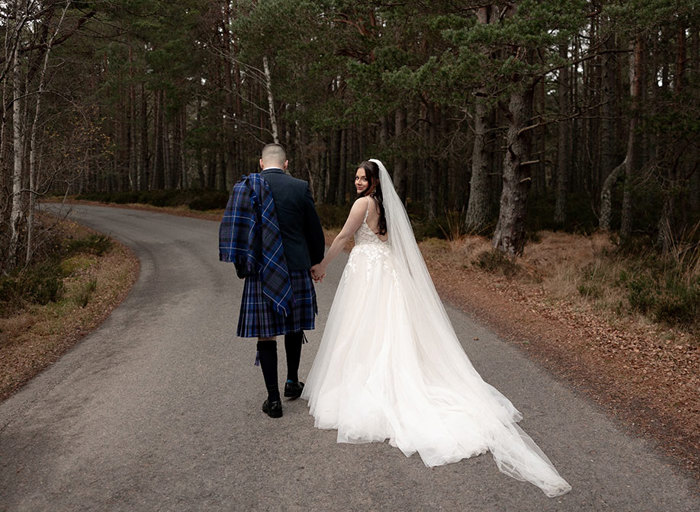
(250, 238)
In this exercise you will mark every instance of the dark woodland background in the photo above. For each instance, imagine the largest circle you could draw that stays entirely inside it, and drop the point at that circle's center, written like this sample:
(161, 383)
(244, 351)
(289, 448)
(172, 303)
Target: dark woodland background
(495, 118)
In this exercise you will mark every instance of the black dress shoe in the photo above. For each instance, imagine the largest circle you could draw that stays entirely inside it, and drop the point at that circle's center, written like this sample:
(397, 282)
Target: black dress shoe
(292, 390)
(272, 409)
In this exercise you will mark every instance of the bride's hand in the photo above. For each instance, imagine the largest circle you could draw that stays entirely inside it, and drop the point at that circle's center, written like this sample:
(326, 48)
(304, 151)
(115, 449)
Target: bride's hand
(318, 272)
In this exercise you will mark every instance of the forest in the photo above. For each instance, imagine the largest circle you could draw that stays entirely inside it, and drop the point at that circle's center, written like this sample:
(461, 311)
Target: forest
(501, 117)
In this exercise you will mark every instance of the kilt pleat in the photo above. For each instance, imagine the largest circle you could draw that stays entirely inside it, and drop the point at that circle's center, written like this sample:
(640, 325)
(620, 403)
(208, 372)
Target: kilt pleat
(258, 319)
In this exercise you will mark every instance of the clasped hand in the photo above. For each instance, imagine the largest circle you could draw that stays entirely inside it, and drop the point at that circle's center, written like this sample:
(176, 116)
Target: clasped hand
(317, 273)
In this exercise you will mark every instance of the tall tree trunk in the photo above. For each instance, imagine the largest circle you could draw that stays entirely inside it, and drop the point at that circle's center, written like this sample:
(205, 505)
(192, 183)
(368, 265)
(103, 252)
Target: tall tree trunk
(17, 149)
(632, 150)
(608, 138)
(478, 207)
(342, 168)
(576, 123)
(183, 155)
(562, 140)
(158, 137)
(384, 131)
(211, 169)
(509, 236)
(167, 152)
(399, 161)
(271, 101)
(131, 128)
(334, 137)
(670, 188)
(175, 164)
(432, 164)
(33, 144)
(606, 196)
(199, 153)
(595, 173)
(144, 182)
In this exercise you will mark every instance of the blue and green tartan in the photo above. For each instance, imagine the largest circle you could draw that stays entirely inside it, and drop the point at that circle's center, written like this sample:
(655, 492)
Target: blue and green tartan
(249, 236)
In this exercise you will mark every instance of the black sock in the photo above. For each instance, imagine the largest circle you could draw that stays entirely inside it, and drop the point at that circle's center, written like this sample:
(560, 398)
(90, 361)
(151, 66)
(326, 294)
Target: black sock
(267, 350)
(292, 346)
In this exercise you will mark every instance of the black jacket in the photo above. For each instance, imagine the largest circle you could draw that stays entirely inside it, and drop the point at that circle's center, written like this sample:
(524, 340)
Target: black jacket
(302, 234)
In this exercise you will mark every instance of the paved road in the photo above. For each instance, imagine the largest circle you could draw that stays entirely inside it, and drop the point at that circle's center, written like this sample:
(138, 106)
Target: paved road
(159, 409)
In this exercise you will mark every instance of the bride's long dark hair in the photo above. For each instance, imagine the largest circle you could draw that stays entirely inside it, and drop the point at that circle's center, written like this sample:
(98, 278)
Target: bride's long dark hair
(374, 190)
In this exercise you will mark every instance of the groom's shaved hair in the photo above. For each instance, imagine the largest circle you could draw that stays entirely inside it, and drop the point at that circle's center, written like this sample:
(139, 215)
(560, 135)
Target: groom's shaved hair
(274, 155)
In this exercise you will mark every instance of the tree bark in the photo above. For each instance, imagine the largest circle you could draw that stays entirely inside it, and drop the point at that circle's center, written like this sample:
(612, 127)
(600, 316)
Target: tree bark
(17, 147)
(509, 236)
(342, 167)
(606, 196)
(271, 101)
(479, 204)
(333, 165)
(131, 128)
(666, 162)
(399, 161)
(432, 164)
(143, 180)
(632, 150)
(562, 140)
(158, 160)
(478, 207)
(608, 139)
(33, 144)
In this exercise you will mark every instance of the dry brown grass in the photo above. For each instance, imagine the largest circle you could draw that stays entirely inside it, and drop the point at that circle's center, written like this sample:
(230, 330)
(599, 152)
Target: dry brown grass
(36, 336)
(557, 259)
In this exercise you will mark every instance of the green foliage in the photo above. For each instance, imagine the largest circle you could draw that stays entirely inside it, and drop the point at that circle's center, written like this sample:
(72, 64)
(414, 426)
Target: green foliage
(485, 55)
(665, 298)
(93, 244)
(209, 200)
(448, 226)
(660, 287)
(85, 292)
(74, 264)
(344, 64)
(428, 228)
(580, 217)
(678, 303)
(42, 282)
(591, 291)
(641, 293)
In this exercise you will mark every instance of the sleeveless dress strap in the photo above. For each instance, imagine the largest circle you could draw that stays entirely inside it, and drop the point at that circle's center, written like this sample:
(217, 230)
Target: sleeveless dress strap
(367, 211)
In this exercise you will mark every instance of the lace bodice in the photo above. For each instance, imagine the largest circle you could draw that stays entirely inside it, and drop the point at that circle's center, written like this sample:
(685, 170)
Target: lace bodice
(365, 235)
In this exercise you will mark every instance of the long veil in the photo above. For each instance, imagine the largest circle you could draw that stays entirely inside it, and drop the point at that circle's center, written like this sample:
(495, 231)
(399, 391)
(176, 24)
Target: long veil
(515, 453)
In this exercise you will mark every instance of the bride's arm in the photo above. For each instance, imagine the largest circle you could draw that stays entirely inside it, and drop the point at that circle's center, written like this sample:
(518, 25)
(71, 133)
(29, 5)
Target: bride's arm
(352, 224)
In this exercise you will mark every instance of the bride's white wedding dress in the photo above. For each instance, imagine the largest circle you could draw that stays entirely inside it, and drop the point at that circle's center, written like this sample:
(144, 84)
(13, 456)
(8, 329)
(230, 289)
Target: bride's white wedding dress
(390, 367)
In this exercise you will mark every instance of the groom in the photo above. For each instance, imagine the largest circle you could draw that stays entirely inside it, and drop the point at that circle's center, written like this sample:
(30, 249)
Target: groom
(267, 212)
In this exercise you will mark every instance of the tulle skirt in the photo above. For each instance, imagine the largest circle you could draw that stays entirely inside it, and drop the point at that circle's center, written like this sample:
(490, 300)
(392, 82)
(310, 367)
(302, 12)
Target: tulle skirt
(385, 372)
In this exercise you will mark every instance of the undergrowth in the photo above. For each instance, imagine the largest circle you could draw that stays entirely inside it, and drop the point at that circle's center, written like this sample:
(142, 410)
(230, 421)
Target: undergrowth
(196, 199)
(43, 282)
(664, 288)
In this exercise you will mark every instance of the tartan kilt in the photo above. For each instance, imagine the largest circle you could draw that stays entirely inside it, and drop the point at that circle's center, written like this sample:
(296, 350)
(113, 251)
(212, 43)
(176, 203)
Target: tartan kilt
(258, 319)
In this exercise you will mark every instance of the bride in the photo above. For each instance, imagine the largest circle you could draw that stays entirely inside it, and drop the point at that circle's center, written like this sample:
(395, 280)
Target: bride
(390, 365)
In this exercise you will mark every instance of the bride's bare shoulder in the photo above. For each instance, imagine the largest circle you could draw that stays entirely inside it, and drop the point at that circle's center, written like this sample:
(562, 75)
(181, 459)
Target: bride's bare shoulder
(361, 203)
(362, 200)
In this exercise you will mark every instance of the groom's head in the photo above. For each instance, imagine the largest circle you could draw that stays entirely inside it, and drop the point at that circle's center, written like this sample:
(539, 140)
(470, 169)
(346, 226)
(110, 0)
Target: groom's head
(273, 155)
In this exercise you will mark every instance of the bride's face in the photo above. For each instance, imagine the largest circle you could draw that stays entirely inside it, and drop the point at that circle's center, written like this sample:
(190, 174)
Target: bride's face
(361, 182)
